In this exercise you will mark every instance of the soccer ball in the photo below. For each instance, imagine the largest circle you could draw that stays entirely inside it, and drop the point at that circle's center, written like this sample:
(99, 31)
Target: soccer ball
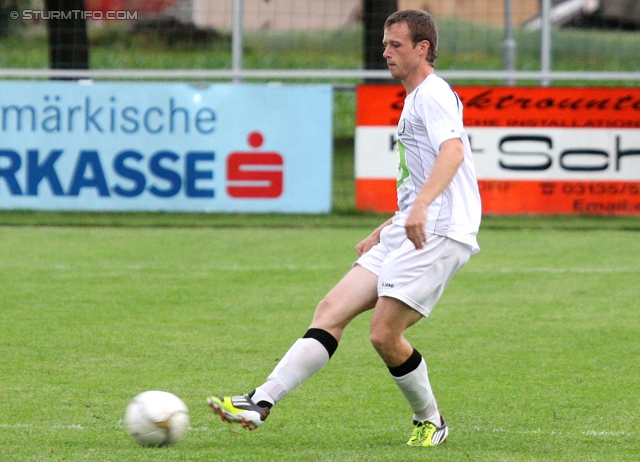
(157, 418)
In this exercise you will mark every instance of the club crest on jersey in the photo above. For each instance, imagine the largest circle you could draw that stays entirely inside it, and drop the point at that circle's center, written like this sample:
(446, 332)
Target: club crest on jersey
(401, 127)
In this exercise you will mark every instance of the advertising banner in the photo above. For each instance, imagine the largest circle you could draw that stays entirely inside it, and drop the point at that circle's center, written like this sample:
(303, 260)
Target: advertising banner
(536, 150)
(165, 146)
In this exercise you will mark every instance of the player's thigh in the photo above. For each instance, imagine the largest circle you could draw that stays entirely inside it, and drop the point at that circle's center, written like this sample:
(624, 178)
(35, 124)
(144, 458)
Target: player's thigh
(418, 278)
(354, 294)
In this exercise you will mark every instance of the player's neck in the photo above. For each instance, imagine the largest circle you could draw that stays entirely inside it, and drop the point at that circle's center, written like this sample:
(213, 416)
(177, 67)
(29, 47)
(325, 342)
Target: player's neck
(414, 80)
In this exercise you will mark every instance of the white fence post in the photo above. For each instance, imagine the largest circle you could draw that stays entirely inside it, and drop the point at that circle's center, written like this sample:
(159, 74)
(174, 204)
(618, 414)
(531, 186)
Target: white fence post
(509, 44)
(545, 43)
(236, 40)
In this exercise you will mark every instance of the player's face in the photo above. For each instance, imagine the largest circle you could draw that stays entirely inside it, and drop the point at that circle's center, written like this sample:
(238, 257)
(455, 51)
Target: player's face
(403, 58)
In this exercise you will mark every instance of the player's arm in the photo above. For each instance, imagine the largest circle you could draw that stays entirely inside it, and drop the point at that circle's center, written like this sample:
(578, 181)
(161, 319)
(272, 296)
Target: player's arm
(448, 160)
(372, 239)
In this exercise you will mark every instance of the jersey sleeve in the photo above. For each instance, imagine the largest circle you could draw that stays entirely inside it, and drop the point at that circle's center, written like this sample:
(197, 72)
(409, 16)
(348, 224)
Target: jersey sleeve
(441, 113)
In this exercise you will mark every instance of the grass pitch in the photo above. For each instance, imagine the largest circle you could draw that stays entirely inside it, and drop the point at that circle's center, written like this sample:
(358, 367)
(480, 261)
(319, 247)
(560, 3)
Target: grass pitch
(533, 350)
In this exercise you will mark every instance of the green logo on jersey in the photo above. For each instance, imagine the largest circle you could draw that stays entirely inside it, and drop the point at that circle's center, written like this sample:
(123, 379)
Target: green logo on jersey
(403, 170)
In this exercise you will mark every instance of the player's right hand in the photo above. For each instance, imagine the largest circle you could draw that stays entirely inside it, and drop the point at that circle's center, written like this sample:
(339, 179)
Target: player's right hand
(365, 245)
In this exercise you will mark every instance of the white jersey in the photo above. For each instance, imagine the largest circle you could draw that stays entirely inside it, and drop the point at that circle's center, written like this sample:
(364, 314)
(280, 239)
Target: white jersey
(432, 114)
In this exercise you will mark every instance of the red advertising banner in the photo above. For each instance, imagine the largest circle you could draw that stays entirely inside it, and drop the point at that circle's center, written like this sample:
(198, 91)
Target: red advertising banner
(536, 150)
(515, 106)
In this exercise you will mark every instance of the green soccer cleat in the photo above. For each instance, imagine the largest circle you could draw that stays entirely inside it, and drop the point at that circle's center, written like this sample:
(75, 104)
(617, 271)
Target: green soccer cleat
(427, 434)
(239, 409)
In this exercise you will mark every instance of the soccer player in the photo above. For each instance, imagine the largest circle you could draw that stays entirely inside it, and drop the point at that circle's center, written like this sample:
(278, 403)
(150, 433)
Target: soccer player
(405, 264)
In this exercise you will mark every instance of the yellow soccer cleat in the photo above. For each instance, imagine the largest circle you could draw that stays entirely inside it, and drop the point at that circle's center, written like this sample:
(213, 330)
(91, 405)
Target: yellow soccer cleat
(238, 409)
(427, 434)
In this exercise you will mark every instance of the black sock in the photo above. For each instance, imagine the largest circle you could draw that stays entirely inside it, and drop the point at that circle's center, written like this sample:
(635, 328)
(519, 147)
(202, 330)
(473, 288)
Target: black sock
(266, 404)
(408, 366)
(325, 338)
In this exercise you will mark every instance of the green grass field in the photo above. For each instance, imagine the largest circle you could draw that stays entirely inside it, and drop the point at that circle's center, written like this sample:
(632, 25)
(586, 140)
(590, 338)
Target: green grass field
(532, 350)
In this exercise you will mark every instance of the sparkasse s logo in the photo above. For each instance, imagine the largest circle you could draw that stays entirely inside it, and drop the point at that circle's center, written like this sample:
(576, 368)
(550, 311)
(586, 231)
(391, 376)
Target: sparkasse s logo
(255, 174)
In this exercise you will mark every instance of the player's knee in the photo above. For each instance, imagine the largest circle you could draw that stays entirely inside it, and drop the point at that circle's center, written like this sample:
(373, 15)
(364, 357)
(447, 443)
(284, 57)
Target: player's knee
(323, 309)
(380, 337)
(325, 315)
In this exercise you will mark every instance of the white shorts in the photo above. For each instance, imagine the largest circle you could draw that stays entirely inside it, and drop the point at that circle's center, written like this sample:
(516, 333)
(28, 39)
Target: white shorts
(415, 277)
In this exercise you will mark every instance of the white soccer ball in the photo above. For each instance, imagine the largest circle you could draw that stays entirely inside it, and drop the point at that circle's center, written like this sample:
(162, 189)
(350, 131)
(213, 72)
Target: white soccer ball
(157, 418)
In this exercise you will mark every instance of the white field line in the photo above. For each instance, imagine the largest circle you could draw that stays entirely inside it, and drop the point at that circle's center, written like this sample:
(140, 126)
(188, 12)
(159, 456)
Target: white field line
(196, 267)
(605, 433)
(120, 425)
(213, 267)
(596, 433)
(57, 426)
(554, 270)
(292, 267)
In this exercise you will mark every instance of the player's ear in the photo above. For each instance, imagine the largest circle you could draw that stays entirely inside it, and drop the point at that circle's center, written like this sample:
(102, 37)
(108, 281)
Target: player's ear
(424, 47)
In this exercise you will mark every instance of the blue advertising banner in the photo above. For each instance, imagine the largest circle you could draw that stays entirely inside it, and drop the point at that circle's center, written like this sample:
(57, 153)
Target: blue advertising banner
(172, 147)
